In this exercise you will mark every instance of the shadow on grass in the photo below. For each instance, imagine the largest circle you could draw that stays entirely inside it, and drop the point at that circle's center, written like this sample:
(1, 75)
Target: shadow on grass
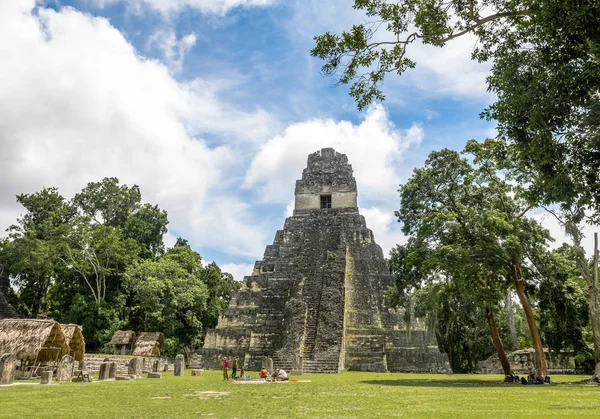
(443, 383)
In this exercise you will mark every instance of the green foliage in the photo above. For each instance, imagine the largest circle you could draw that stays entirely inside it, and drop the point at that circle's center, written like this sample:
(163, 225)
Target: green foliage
(109, 204)
(168, 298)
(96, 261)
(562, 301)
(545, 75)
(459, 323)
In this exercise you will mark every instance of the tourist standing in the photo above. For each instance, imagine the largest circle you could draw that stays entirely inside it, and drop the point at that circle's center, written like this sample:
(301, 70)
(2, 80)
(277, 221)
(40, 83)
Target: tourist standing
(225, 368)
(234, 367)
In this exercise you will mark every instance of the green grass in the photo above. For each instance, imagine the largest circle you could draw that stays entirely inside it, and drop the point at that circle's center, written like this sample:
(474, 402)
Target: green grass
(347, 395)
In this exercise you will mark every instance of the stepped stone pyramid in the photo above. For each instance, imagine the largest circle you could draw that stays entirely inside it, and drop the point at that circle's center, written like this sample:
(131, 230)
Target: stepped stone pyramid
(318, 291)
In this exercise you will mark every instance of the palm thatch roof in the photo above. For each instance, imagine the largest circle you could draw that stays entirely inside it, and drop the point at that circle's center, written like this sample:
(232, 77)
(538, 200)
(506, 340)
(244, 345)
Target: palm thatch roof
(149, 344)
(74, 337)
(33, 340)
(123, 337)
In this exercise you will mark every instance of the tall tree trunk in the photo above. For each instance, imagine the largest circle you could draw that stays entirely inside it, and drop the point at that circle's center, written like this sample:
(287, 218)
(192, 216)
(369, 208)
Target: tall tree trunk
(498, 342)
(594, 310)
(511, 321)
(540, 357)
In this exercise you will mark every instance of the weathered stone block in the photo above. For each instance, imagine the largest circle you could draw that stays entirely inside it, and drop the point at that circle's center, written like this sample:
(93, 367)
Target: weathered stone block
(195, 361)
(64, 371)
(104, 373)
(135, 366)
(46, 377)
(112, 370)
(122, 378)
(179, 366)
(197, 373)
(154, 375)
(8, 367)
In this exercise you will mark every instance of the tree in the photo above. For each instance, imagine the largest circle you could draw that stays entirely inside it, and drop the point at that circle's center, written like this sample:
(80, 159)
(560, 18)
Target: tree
(220, 285)
(447, 289)
(457, 208)
(99, 254)
(109, 204)
(30, 253)
(168, 298)
(562, 301)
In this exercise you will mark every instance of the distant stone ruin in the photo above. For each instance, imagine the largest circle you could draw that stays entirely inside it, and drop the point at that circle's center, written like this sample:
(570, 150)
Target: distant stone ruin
(316, 298)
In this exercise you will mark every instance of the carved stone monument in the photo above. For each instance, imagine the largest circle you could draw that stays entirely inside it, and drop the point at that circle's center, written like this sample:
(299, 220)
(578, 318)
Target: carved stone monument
(104, 373)
(318, 292)
(64, 371)
(8, 366)
(195, 361)
(135, 367)
(297, 365)
(179, 365)
(112, 370)
(46, 377)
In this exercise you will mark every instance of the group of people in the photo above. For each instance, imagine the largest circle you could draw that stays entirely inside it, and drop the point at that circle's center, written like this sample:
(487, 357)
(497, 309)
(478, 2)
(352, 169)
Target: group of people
(278, 375)
(234, 368)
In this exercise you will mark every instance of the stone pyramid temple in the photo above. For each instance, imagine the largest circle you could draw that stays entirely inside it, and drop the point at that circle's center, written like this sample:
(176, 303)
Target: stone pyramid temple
(315, 300)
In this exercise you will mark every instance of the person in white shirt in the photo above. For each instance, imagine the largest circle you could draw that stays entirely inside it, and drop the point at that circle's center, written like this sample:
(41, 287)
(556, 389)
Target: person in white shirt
(281, 375)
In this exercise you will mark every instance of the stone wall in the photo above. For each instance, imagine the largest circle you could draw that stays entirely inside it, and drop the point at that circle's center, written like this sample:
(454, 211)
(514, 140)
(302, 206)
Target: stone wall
(93, 363)
(521, 361)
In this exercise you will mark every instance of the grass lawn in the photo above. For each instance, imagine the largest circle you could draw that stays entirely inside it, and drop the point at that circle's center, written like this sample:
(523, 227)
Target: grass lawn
(347, 395)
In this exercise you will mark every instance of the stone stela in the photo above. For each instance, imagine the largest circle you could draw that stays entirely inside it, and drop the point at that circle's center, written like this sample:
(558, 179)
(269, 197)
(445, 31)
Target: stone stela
(317, 294)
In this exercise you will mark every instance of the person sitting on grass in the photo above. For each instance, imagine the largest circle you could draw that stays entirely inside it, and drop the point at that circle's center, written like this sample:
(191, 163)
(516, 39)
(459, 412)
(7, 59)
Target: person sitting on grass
(263, 373)
(281, 375)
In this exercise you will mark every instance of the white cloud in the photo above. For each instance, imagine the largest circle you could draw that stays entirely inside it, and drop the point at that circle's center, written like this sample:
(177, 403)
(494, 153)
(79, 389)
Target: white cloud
(174, 50)
(558, 233)
(375, 147)
(220, 7)
(385, 227)
(238, 270)
(78, 103)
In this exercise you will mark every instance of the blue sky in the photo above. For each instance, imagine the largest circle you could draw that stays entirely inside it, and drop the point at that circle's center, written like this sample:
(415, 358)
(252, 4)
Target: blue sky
(212, 107)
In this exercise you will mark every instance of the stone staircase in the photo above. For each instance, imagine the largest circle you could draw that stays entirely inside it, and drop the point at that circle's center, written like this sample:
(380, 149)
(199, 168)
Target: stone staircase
(320, 366)
(284, 363)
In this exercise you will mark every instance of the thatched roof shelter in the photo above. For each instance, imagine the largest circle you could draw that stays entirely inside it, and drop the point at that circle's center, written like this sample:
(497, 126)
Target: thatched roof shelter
(123, 337)
(33, 340)
(74, 337)
(149, 344)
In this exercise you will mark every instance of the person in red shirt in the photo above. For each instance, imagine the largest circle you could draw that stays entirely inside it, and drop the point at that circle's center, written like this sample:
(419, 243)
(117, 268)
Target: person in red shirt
(225, 368)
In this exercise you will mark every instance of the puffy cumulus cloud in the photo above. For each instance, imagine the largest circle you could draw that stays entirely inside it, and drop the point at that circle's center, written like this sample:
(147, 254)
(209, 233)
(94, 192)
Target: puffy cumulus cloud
(220, 7)
(375, 148)
(238, 270)
(78, 103)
